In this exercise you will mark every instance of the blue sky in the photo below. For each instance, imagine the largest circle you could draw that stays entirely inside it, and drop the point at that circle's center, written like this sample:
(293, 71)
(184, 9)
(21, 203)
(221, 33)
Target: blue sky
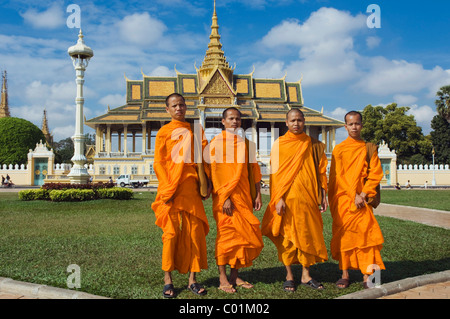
(345, 65)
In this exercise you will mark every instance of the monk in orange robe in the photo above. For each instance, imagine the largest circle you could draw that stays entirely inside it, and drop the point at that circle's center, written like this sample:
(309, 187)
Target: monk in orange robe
(239, 239)
(298, 186)
(357, 238)
(178, 205)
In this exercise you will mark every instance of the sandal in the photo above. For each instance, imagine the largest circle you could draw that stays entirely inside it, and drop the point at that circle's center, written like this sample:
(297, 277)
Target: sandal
(313, 284)
(289, 286)
(343, 283)
(228, 289)
(196, 287)
(244, 284)
(168, 288)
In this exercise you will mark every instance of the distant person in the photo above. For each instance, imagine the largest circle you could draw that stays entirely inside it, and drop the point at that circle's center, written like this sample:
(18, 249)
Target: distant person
(397, 186)
(426, 184)
(3, 180)
(408, 185)
(354, 177)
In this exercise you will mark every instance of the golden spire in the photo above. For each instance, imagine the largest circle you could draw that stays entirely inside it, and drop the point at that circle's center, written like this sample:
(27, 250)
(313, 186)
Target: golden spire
(45, 130)
(4, 107)
(44, 123)
(215, 56)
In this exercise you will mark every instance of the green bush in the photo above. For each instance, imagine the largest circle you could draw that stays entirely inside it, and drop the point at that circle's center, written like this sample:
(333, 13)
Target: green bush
(73, 194)
(26, 194)
(34, 194)
(115, 193)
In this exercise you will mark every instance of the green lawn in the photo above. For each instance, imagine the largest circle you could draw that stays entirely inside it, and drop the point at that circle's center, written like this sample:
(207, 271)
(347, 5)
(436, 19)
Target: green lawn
(435, 199)
(118, 248)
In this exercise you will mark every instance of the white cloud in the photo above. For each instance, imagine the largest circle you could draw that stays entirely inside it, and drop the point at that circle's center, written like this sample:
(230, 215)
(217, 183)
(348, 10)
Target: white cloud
(141, 29)
(373, 42)
(385, 77)
(270, 69)
(404, 99)
(423, 115)
(113, 100)
(325, 42)
(51, 18)
(338, 113)
(162, 71)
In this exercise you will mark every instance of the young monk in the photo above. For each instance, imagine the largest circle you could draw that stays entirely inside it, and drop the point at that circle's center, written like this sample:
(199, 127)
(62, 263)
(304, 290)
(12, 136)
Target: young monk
(357, 238)
(239, 239)
(178, 205)
(298, 185)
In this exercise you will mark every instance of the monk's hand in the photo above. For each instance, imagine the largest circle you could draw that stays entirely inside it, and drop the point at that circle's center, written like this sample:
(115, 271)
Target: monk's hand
(228, 207)
(258, 202)
(360, 201)
(280, 207)
(324, 204)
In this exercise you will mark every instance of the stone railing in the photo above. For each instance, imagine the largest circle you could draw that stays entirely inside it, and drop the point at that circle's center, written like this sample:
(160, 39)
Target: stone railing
(425, 167)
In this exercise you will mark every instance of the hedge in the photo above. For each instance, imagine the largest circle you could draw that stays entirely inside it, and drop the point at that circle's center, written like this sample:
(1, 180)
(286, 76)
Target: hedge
(74, 194)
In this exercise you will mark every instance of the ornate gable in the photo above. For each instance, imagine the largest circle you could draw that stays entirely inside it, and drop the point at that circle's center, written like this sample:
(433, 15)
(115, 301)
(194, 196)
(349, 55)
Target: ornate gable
(218, 85)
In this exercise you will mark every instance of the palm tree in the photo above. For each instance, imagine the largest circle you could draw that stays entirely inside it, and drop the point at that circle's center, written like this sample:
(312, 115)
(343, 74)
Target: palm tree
(443, 102)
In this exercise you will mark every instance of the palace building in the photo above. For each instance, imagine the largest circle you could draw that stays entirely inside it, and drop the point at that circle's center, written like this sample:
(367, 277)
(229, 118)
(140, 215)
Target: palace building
(125, 135)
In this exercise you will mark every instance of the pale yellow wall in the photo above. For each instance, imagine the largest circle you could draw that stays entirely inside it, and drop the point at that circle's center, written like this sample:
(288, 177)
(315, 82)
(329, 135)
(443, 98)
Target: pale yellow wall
(418, 178)
(18, 177)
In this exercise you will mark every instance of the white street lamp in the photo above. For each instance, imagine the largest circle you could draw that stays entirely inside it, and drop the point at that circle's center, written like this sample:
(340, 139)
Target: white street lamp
(433, 182)
(80, 54)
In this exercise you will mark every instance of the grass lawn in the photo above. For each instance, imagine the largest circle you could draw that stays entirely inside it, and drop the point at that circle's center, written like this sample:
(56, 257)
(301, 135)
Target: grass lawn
(434, 199)
(118, 249)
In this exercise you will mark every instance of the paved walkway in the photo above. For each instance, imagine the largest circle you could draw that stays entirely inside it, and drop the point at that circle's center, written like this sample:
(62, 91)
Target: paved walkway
(432, 286)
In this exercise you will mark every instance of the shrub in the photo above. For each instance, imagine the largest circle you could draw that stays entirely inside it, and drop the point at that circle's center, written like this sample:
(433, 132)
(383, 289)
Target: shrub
(34, 194)
(70, 195)
(75, 194)
(115, 193)
(26, 194)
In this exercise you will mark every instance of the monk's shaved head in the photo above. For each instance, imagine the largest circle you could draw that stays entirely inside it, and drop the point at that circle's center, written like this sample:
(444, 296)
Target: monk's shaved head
(294, 111)
(353, 113)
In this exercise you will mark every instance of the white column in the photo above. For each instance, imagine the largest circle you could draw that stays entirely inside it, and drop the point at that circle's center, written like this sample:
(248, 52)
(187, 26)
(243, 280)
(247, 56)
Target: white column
(272, 134)
(108, 139)
(333, 137)
(98, 139)
(144, 138)
(78, 173)
(125, 144)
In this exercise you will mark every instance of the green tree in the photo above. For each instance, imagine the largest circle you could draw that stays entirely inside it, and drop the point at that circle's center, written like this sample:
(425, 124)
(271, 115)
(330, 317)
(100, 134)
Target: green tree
(399, 130)
(64, 148)
(440, 137)
(443, 102)
(17, 137)
(373, 118)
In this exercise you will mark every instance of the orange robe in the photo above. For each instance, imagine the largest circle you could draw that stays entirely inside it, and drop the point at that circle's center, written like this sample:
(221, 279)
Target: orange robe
(239, 239)
(357, 238)
(298, 233)
(178, 205)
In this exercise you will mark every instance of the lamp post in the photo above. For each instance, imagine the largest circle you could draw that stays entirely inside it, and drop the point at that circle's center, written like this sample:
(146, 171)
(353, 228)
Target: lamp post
(80, 54)
(433, 182)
